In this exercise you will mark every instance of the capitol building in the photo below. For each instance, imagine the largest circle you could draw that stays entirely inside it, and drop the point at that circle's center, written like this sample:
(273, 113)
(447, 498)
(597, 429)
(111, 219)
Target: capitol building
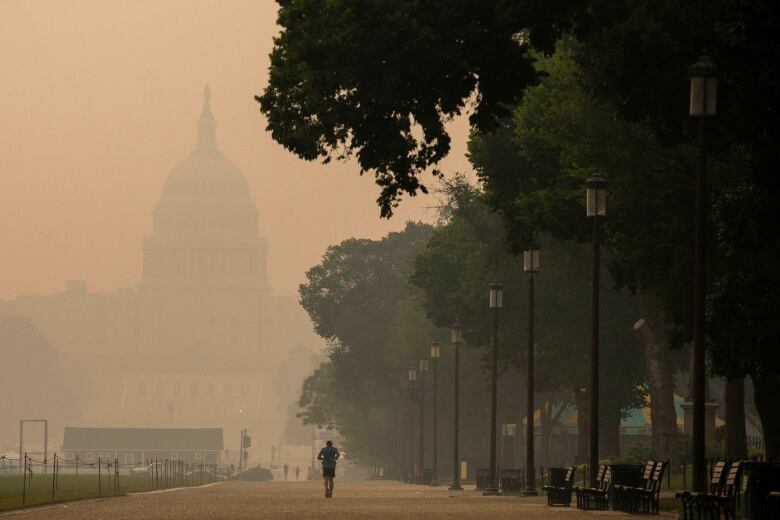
(199, 340)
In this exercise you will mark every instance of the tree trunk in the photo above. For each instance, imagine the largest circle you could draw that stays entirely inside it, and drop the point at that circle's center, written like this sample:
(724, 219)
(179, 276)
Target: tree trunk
(768, 406)
(583, 430)
(736, 435)
(660, 374)
(609, 432)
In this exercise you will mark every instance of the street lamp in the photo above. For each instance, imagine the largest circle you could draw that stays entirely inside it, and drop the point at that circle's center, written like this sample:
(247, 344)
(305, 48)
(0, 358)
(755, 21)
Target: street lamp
(530, 266)
(412, 378)
(423, 369)
(435, 354)
(496, 291)
(456, 330)
(596, 207)
(703, 103)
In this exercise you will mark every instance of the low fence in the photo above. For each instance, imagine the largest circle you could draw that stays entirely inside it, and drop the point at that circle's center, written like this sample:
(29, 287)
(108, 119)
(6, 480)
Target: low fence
(42, 480)
(511, 480)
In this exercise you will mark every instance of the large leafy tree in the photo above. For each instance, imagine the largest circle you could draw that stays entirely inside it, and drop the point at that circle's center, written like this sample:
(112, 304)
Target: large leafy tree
(351, 297)
(534, 167)
(379, 79)
(636, 59)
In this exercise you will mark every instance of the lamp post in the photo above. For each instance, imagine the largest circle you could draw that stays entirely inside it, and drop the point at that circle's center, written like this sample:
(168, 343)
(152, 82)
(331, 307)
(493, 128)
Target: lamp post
(435, 354)
(530, 266)
(456, 330)
(703, 99)
(496, 302)
(596, 207)
(423, 370)
(412, 378)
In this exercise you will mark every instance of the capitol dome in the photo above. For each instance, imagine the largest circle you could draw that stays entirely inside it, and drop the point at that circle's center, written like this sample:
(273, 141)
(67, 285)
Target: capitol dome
(206, 173)
(205, 224)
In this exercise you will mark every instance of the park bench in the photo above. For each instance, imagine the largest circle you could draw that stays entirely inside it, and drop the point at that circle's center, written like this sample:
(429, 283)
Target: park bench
(728, 499)
(647, 500)
(560, 488)
(717, 477)
(761, 499)
(582, 493)
(623, 494)
(599, 497)
(724, 494)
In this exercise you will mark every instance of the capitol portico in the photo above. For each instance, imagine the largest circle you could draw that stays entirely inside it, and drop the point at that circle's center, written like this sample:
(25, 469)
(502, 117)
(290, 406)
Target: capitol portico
(198, 341)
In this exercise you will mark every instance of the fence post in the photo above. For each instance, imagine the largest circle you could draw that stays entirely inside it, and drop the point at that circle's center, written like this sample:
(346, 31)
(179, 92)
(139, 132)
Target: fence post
(53, 475)
(24, 478)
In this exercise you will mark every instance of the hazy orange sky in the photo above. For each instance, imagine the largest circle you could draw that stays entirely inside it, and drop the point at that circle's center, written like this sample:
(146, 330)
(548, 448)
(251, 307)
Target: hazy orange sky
(98, 101)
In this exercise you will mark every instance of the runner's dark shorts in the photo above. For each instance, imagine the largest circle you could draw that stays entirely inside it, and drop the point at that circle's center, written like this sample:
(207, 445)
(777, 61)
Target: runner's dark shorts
(329, 472)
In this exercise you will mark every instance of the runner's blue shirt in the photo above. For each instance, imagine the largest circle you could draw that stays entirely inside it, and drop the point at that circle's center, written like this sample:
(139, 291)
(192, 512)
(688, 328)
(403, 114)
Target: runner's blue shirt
(329, 454)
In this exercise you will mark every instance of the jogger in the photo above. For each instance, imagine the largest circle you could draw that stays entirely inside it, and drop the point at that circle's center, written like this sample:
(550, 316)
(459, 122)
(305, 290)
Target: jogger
(328, 455)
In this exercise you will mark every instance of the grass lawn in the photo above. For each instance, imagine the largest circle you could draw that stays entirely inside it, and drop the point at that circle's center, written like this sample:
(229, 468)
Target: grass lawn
(69, 488)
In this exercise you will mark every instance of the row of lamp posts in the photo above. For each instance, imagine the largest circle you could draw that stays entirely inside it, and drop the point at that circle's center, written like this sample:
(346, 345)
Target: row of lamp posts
(596, 207)
(703, 92)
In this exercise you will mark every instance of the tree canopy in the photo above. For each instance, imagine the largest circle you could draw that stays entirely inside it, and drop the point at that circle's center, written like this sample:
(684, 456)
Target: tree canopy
(379, 79)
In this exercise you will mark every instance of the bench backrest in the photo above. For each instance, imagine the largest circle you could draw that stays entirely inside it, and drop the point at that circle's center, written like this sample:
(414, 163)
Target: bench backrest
(600, 473)
(604, 484)
(718, 475)
(733, 480)
(658, 475)
(647, 474)
(570, 475)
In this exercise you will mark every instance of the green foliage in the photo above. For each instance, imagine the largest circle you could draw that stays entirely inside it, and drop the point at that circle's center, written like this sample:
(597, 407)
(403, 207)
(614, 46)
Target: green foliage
(379, 79)
(635, 453)
(464, 255)
(560, 136)
(360, 302)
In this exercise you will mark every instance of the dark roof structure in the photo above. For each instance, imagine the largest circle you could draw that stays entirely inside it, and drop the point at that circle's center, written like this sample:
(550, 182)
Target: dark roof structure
(146, 439)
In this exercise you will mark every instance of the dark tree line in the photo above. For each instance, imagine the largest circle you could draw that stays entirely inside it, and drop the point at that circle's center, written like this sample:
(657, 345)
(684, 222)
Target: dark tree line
(378, 80)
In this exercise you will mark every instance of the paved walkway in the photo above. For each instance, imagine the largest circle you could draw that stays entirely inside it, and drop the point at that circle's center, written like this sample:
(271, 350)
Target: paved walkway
(305, 501)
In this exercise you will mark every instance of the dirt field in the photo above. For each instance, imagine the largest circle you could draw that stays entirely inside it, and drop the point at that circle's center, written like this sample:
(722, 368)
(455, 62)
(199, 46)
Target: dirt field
(305, 500)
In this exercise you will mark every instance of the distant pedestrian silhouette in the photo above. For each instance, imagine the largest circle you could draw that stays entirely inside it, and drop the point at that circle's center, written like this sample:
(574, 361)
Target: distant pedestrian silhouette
(297, 472)
(286, 469)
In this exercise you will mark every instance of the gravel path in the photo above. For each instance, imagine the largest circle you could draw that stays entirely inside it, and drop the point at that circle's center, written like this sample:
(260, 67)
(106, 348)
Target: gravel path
(304, 500)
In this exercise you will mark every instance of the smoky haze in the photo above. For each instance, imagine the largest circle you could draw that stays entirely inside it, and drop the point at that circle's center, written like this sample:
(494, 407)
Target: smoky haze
(99, 103)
